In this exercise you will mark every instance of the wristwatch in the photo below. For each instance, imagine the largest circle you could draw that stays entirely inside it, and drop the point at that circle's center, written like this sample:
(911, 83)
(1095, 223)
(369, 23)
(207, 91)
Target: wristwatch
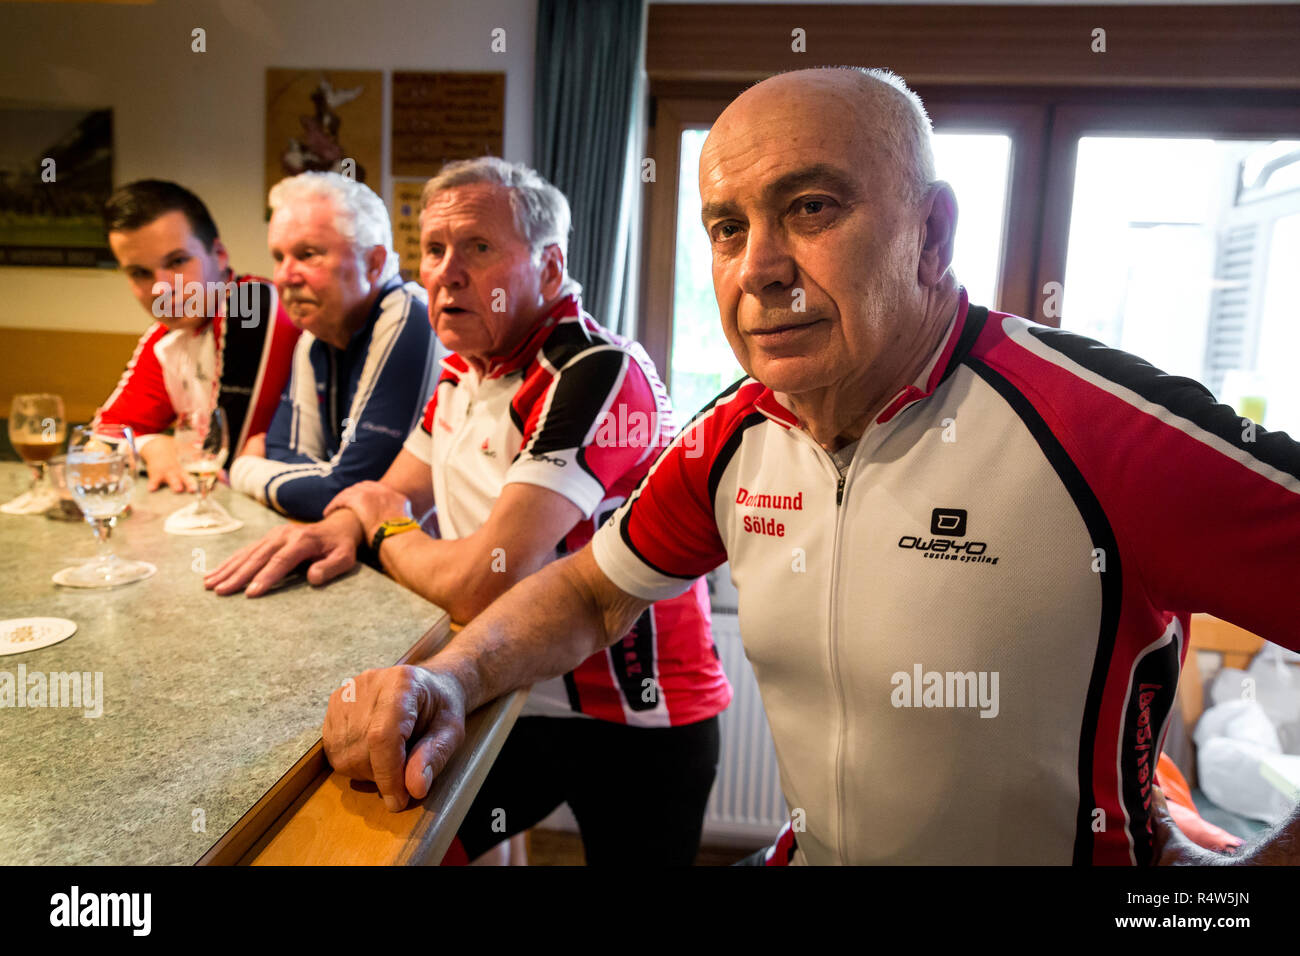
(391, 527)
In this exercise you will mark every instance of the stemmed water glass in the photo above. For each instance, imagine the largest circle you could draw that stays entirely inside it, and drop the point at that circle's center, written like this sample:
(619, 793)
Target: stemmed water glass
(37, 428)
(101, 467)
(202, 443)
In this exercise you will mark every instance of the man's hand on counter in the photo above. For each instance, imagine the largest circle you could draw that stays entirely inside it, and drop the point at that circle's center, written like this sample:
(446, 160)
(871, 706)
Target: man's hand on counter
(373, 502)
(331, 546)
(371, 719)
(164, 467)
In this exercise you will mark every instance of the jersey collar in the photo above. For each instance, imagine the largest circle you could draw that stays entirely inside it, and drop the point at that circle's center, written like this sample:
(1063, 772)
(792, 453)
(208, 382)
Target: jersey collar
(935, 371)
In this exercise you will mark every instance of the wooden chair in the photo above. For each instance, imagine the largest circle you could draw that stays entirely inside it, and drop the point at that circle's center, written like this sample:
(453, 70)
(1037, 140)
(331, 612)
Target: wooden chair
(1209, 633)
(1237, 646)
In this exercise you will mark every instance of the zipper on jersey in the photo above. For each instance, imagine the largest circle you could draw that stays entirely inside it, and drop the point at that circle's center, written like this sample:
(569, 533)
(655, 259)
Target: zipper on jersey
(833, 634)
(834, 648)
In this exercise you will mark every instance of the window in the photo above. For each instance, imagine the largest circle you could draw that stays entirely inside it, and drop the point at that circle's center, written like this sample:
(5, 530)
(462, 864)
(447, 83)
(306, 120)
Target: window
(1177, 252)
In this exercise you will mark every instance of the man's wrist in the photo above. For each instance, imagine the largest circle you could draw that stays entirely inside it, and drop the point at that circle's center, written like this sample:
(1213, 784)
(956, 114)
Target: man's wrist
(458, 672)
(349, 519)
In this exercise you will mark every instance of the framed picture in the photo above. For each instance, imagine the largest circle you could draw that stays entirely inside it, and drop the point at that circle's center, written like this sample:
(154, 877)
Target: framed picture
(443, 116)
(56, 172)
(326, 121)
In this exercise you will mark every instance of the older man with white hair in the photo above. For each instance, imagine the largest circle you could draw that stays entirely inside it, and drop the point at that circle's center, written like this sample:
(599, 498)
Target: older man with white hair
(966, 546)
(363, 368)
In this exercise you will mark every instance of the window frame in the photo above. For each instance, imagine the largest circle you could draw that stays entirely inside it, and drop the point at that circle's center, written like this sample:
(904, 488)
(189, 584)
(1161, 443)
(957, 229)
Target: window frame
(1025, 72)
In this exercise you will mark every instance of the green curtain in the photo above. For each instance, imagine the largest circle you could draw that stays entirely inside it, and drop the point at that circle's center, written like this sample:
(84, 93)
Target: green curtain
(586, 140)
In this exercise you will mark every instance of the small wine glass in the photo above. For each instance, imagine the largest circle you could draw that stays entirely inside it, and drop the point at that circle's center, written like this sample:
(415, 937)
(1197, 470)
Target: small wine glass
(100, 468)
(202, 443)
(37, 427)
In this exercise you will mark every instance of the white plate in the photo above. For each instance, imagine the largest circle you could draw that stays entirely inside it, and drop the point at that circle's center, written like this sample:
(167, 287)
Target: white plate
(22, 634)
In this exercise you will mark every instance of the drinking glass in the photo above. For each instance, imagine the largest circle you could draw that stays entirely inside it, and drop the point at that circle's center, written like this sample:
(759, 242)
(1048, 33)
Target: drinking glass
(202, 443)
(37, 427)
(100, 468)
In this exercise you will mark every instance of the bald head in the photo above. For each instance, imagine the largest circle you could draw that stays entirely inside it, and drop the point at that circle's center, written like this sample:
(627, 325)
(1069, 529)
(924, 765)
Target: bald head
(878, 118)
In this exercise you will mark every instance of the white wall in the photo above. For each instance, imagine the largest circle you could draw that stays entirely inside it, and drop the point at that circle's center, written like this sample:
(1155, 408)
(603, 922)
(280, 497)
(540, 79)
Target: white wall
(199, 118)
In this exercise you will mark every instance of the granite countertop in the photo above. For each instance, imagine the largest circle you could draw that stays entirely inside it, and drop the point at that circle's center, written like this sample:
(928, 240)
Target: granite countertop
(207, 701)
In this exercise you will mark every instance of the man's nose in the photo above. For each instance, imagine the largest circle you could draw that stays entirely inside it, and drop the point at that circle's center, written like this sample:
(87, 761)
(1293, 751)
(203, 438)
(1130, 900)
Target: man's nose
(448, 272)
(767, 265)
(286, 272)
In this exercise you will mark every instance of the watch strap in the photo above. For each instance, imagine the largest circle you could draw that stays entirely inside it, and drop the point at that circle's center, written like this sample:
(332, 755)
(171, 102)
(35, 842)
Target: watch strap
(392, 527)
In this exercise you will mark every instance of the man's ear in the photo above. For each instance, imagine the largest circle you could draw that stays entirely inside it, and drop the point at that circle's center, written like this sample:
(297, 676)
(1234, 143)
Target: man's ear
(223, 257)
(940, 227)
(552, 271)
(375, 259)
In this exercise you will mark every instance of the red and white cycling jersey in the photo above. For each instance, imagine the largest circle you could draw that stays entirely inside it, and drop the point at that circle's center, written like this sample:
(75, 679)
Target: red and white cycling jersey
(580, 411)
(242, 365)
(968, 645)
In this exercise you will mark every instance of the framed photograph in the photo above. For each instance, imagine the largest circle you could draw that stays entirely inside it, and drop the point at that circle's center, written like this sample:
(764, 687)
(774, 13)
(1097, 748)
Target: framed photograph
(56, 172)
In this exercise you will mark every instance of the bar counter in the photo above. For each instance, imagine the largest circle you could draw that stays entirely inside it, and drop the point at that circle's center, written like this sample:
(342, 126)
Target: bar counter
(207, 749)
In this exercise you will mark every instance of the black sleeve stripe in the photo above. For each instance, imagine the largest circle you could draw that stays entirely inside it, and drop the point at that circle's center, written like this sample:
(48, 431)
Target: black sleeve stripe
(727, 452)
(577, 399)
(566, 341)
(714, 477)
(1184, 397)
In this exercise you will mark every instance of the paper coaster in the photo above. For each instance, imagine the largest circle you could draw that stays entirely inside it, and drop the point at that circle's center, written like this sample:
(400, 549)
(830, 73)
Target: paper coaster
(61, 577)
(22, 634)
(29, 504)
(177, 523)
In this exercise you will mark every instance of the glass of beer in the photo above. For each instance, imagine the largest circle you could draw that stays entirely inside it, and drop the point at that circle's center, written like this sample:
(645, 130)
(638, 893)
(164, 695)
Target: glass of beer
(101, 467)
(37, 428)
(202, 443)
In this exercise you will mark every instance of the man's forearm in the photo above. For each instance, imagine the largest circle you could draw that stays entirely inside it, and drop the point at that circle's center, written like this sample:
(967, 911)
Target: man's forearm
(454, 575)
(425, 565)
(543, 627)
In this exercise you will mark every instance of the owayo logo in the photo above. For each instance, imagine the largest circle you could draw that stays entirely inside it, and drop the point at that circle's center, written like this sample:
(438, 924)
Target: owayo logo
(946, 526)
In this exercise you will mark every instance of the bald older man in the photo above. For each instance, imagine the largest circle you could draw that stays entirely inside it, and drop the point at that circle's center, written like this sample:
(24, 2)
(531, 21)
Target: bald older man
(965, 545)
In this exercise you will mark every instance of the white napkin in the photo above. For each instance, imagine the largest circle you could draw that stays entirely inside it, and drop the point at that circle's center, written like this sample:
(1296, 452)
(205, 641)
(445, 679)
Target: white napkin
(184, 522)
(29, 504)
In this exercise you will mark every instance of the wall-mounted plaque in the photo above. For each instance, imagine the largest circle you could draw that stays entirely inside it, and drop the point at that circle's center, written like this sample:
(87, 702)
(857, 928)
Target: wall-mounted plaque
(443, 116)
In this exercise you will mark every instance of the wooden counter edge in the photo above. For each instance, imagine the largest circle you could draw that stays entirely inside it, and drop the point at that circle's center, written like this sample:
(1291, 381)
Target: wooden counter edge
(342, 822)
(308, 771)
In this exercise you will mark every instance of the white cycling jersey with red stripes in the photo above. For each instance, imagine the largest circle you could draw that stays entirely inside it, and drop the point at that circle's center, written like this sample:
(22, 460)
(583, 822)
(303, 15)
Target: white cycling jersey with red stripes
(580, 411)
(968, 645)
(239, 360)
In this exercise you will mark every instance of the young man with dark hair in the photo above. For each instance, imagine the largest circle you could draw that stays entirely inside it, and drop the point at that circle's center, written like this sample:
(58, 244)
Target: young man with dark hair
(219, 338)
